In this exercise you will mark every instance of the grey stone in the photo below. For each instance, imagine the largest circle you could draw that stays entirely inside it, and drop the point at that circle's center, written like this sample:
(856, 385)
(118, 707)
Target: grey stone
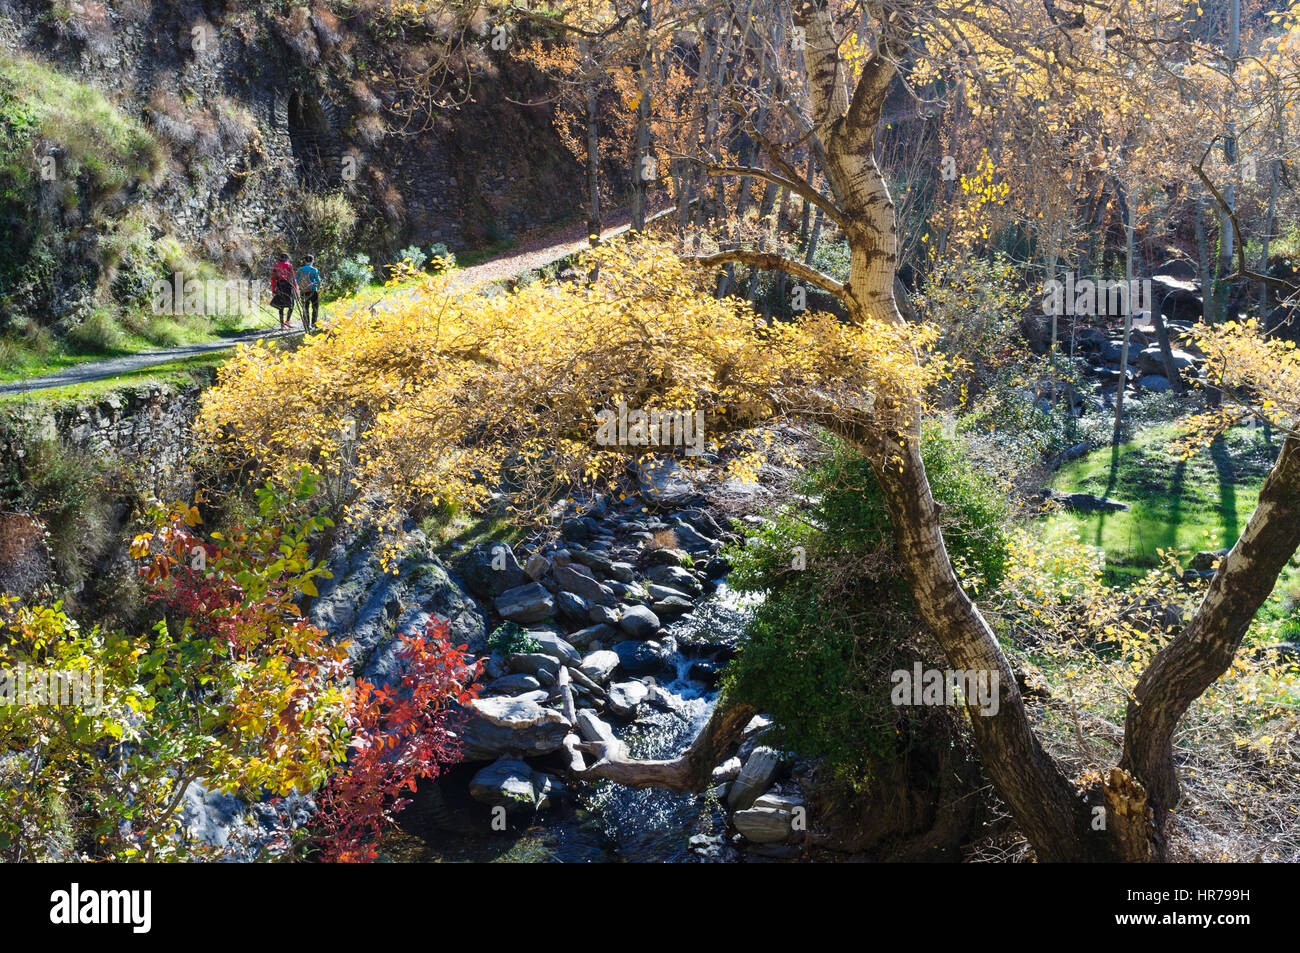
(755, 778)
(675, 577)
(643, 658)
(639, 622)
(572, 606)
(571, 580)
(557, 648)
(537, 566)
(526, 603)
(769, 821)
(510, 727)
(513, 684)
(490, 569)
(604, 634)
(514, 785)
(600, 665)
(625, 698)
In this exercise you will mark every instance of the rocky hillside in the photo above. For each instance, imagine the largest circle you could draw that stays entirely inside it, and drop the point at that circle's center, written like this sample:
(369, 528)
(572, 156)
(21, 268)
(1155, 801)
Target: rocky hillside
(146, 136)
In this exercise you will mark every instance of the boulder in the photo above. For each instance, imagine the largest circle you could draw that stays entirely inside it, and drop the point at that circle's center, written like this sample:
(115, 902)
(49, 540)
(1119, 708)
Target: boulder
(675, 577)
(692, 540)
(754, 778)
(625, 698)
(664, 483)
(600, 665)
(643, 658)
(602, 615)
(664, 557)
(583, 638)
(1150, 362)
(572, 607)
(514, 785)
(527, 603)
(639, 622)
(513, 684)
(671, 606)
(555, 647)
(490, 569)
(583, 584)
(597, 562)
(537, 566)
(1156, 383)
(504, 726)
(769, 821)
(1204, 561)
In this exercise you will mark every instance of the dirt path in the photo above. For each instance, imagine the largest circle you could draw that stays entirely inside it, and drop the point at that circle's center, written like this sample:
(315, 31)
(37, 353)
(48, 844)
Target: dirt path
(531, 254)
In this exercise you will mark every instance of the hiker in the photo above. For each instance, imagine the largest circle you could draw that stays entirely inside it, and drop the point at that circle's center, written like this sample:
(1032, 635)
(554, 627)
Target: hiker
(309, 288)
(283, 289)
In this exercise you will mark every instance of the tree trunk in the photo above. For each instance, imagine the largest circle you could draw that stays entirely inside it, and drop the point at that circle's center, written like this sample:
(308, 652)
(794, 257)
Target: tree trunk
(1205, 648)
(594, 226)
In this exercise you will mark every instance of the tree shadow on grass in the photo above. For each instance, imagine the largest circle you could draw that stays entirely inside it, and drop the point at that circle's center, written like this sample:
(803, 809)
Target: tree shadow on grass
(1228, 520)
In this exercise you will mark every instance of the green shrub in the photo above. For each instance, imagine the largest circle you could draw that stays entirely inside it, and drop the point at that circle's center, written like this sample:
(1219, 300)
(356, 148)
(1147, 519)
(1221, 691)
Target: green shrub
(837, 617)
(441, 256)
(349, 276)
(511, 638)
(414, 256)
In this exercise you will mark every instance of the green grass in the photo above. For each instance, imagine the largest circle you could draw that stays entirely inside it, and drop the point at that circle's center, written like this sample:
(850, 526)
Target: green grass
(178, 373)
(94, 134)
(1200, 503)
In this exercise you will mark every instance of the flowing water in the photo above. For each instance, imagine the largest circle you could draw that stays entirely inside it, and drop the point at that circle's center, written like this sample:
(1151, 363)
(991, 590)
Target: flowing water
(609, 822)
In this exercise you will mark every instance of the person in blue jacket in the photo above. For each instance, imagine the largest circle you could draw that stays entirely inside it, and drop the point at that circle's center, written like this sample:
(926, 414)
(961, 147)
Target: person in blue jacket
(309, 288)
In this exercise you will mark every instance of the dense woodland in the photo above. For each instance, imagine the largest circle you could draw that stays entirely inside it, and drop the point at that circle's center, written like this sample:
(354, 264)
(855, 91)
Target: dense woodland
(905, 465)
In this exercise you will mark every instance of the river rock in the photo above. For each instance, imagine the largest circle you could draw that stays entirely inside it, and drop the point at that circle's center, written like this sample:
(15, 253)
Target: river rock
(490, 569)
(583, 584)
(664, 483)
(602, 615)
(638, 622)
(511, 727)
(1149, 360)
(572, 606)
(514, 785)
(513, 684)
(755, 778)
(556, 647)
(625, 698)
(537, 566)
(542, 666)
(693, 540)
(583, 638)
(600, 665)
(526, 603)
(675, 577)
(769, 821)
(672, 605)
(665, 557)
(643, 658)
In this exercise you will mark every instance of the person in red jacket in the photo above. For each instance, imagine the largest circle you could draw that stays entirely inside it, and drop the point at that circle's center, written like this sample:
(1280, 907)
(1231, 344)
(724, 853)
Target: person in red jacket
(284, 288)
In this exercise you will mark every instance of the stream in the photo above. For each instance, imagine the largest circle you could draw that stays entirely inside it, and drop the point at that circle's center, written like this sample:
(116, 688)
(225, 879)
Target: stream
(599, 822)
